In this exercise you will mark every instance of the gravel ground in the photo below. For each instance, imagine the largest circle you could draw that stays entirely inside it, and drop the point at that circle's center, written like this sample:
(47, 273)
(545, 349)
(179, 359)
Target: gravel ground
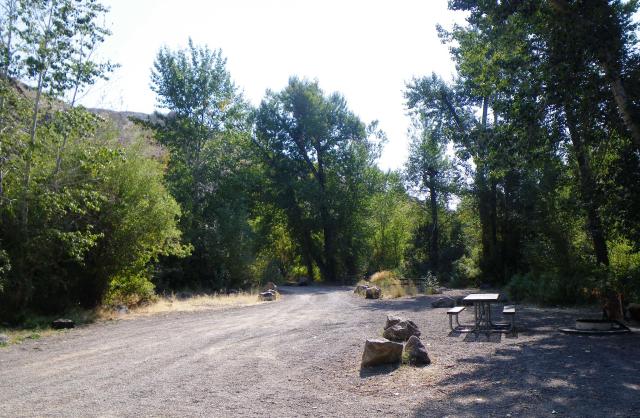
(300, 357)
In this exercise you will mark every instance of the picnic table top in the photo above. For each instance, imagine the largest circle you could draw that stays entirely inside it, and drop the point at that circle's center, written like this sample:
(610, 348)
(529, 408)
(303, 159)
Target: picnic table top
(482, 297)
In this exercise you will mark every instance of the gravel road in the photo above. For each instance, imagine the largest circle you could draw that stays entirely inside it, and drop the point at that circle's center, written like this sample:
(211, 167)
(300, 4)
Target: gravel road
(300, 357)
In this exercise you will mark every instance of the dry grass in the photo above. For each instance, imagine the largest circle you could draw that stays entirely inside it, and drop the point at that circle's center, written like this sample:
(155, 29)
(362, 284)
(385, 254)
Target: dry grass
(39, 327)
(390, 285)
(191, 304)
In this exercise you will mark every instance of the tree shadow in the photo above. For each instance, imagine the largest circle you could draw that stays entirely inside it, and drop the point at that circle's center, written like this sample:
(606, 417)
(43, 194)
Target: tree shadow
(571, 375)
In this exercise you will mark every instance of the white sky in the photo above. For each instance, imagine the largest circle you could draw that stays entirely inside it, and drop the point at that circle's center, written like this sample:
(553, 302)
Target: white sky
(365, 49)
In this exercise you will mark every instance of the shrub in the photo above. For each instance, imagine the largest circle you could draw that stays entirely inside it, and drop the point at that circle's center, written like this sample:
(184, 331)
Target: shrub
(130, 290)
(390, 284)
(465, 272)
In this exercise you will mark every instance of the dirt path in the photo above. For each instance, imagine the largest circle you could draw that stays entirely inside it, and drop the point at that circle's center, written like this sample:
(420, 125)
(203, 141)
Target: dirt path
(300, 357)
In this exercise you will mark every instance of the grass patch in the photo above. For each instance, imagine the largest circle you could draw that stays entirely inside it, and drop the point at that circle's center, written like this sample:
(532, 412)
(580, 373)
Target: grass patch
(34, 327)
(389, 283)
(195, 303)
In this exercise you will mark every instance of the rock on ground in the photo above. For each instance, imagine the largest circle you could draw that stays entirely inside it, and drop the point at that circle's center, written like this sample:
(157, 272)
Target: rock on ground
(392, 320)
(373, 292)
(268, 296)
(381, 351)
(63, 324)
(361, 289)
(4, 339)
(401, 331)
(416, 352)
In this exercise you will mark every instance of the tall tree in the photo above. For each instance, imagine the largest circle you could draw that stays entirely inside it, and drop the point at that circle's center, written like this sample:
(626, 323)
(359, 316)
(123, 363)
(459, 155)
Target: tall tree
(429, 170)
(317, 152)
(206, 132)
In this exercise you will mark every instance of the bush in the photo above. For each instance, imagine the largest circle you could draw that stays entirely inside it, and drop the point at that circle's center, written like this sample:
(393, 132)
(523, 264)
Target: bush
(465, 273)
(389, 283)
(130, 291)
(548, 288)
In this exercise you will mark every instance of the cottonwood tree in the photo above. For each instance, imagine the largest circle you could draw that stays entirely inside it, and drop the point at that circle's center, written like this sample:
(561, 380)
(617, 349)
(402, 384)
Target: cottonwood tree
(431, 173)
(206, 133)
(317, 154)
(55, 36)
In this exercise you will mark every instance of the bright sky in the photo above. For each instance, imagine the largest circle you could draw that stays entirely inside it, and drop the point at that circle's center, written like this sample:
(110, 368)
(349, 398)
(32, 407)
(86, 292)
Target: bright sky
(365, 49)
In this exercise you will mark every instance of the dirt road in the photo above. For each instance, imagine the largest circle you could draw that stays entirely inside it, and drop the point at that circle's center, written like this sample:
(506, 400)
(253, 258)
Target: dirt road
(300, 357)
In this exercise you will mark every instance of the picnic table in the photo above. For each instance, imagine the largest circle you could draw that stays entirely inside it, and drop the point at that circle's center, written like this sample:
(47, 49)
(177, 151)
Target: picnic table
(482, 314)
(482, 309)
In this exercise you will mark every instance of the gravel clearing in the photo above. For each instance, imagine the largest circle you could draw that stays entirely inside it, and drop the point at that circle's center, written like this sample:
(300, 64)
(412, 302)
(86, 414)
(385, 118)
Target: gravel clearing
(300, 356)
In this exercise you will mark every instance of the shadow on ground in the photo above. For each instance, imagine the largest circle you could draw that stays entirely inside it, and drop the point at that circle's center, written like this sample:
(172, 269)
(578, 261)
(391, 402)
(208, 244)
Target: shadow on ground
(547, 371)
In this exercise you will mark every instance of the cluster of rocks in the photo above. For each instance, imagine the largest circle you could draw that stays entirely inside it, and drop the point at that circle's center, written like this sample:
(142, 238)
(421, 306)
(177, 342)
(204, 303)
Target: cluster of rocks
(369, 292)
(390, 349)
(269, 292)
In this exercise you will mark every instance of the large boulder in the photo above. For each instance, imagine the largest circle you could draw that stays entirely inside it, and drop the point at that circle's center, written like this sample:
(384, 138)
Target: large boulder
(634, 311)
(392, 320)
(416, 353)
(401, 331)
(444, 302)
(63, 324)
(373, 292)
(381, 351)
(268, 296)
(361, 289)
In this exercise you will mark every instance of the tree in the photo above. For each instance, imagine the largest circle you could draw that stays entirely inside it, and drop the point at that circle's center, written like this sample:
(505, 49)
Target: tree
(209, 172)
(430, 171)
(53, 35)
(317, 155)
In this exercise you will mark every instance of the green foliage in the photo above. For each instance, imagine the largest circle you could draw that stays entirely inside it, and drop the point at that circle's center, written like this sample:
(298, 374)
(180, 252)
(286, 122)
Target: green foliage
(209, 172)
(130, 290)
(318, 160)
(465, 273)
(391, 224)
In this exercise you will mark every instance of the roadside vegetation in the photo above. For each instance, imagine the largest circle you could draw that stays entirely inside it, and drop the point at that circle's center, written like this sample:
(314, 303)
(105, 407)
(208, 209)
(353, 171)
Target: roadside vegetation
(523, 171)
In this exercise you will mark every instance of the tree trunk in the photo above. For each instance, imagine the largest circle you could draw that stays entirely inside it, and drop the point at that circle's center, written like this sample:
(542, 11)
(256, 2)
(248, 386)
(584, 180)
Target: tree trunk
(624, 107)
(588, 191)
(434, 253)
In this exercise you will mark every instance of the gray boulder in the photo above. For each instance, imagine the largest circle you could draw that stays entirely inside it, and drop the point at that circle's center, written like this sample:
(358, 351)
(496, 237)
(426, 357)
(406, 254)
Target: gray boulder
(416, 352)
(63, 324)
(361, 289)
(4, 339)
(268, 296)
(401, 331)
(392, 320)
(381, 351)
(373, 292)
(444, 302)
